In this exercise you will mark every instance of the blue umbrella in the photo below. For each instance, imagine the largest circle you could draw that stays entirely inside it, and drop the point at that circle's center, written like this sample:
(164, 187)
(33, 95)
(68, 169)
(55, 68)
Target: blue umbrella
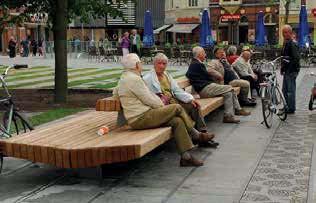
(206, 38)
(260, 30)
(303, 28)
(148, 39)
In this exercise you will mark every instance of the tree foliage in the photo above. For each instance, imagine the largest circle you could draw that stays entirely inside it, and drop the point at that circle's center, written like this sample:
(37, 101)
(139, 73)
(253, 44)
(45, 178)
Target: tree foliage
(85, 9)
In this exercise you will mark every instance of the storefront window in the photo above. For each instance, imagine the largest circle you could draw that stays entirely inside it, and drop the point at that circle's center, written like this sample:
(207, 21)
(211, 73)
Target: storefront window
(193, 3)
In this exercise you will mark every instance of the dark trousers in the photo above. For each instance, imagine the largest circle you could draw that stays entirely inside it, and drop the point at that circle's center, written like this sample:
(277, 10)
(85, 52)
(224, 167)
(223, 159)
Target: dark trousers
(134, 49)
(289, 90)
(253, 83)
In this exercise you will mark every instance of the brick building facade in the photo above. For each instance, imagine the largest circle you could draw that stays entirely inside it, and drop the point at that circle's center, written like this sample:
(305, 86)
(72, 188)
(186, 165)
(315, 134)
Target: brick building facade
(234, 22)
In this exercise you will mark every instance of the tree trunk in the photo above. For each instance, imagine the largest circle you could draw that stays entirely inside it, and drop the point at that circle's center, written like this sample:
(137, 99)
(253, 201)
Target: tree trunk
(60, 47)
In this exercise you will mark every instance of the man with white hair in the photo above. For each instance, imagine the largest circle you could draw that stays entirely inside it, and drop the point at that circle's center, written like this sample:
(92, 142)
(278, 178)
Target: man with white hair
(144, 110)
(243, 67)
(290, 68)
(203, 81)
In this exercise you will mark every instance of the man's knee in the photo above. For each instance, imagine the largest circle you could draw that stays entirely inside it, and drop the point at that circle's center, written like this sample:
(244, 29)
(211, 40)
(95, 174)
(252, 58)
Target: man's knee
(175, 121)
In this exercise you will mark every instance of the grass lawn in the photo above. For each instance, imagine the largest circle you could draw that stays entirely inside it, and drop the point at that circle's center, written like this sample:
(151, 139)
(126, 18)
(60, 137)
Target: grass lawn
(43, 77)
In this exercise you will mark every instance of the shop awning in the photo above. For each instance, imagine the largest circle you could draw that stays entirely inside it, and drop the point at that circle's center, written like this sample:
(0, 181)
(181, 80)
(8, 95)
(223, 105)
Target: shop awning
(158, 30)
(183, 28)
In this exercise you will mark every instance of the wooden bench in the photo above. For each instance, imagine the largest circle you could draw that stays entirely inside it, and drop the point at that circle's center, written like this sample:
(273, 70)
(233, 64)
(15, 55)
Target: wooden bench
(74, 143)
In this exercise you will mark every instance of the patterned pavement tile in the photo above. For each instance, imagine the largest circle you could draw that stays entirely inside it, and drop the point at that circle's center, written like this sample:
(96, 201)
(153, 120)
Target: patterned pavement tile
(282, 174)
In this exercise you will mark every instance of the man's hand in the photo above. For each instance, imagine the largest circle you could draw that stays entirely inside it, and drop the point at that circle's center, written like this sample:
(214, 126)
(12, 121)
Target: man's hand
(255, 77)
(196, 104)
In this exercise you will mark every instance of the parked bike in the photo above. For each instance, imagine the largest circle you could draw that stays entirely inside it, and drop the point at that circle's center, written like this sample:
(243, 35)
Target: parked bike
(13, 122)
(312, 100)
(272, 98)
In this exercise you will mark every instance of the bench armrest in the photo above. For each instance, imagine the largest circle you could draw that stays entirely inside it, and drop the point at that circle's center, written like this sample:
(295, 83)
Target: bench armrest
(108, 104)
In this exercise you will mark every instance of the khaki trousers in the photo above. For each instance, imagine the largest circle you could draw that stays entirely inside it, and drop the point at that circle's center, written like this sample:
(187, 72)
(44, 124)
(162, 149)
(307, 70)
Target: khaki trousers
(230, 98)
(172, 115)
(244, 85)
(194, 113)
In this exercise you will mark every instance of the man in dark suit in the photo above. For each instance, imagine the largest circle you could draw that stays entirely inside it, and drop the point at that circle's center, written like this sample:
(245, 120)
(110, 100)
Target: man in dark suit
(203, 81)
(290, 68)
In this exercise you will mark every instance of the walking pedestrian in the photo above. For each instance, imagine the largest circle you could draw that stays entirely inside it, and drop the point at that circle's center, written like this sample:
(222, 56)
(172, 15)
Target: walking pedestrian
(34, 47)
(125, 43)
(135, 42)
(25, 45)
(12, 47)
(290, 68)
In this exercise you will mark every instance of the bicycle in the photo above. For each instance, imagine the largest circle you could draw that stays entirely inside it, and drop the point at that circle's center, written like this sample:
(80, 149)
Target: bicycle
(12, 120)
(273, 101)
(313, 95)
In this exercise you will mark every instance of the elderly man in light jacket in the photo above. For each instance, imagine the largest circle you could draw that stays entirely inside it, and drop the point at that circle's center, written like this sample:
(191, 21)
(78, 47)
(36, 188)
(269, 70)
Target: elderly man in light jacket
(162, 83)
(243, 67)
(143, 109)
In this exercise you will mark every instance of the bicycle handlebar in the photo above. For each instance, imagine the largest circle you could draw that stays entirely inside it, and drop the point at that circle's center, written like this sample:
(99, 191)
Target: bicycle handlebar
(7, 70)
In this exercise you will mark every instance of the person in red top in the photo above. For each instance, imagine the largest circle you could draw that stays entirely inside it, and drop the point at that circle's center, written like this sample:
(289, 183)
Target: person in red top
(232, 54)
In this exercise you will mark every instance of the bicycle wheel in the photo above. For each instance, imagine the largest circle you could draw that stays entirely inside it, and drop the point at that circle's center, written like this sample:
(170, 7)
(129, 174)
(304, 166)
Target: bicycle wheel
(311, 102)
(19, 122)
(280, 104)
(266, 112)
(1, 162)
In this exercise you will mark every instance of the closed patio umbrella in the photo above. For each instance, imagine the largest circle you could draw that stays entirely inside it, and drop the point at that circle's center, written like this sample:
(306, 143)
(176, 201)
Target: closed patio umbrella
(148, 38)
(206, 39)
(303, 28)
(260, 30)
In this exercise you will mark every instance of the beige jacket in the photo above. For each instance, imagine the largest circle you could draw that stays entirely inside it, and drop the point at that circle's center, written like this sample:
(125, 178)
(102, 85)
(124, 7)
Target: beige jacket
(135, 97)
(217, 68)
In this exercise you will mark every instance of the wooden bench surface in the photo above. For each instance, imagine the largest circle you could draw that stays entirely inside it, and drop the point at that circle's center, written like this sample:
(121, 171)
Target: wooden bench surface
(75, 144)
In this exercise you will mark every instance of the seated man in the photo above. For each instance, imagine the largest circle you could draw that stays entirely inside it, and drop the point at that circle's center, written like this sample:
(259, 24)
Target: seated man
(161, 83)
(221, 65)
(243, 67)
(143, 110)
(203, 82)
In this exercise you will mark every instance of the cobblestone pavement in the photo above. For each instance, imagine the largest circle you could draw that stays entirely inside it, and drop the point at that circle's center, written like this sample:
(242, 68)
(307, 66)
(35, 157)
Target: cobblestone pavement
(283, 172)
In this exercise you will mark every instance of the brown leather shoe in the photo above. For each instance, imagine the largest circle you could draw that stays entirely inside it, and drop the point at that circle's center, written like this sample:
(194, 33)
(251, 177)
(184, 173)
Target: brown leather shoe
(242, 112)
(190, 162)
(230, 119)
(205, 137)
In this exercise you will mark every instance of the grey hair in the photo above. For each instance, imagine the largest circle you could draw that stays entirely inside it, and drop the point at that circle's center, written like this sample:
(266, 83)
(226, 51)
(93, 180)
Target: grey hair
(232, 50)
(196, 51)
(160, 57)
(130, 60)
(287, 27)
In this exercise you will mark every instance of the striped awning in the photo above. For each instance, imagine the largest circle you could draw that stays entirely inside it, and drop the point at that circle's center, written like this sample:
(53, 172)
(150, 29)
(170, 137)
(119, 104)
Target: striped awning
(183, 28)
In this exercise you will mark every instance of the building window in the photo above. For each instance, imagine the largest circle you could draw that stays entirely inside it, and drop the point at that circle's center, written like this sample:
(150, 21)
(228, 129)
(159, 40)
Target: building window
(193, 3)
(171, 1)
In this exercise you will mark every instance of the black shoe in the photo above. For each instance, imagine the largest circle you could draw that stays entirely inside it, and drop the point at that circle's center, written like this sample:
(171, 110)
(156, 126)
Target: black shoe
(248, 103)
(210, 144)
(290, 112)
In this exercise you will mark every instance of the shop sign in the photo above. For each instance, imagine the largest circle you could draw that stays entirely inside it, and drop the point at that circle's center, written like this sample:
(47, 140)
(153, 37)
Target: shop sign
(188, 20)
(228, 17)
(314, 12)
